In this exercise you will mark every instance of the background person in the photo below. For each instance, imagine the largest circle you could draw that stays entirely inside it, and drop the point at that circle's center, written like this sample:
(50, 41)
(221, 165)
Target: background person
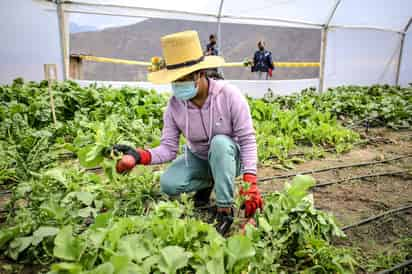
(262, 62)
(211, 48)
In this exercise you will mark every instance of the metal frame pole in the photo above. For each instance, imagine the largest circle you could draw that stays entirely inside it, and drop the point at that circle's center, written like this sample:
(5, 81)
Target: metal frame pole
(398, 68)
(365, 28)
(219, 32)
(323, 46)
(63, 38)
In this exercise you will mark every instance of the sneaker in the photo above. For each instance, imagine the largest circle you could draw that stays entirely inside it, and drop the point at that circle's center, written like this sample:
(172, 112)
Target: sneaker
(202, 197)
(223, 222)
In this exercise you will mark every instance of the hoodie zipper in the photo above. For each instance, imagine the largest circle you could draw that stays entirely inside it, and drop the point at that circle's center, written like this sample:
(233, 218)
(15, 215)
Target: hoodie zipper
(201, 114)
(203, 124)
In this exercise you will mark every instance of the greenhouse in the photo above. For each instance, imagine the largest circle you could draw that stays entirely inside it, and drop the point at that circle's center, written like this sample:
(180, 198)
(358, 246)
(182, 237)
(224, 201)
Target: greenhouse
(215, 136)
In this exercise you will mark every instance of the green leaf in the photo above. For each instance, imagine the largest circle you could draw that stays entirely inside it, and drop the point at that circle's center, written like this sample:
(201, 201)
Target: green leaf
(85, 197)
(86, 212)
(150, 262)
(43, 232)
(97, 236)
(71, 268)
(18, 245)
(130, 246)
(57, 174)
(102, 220)
(173, 258)
(238, 248)
(299, 187)
(68, 247)
(53, 208)
(123, 265)
(89, 156)
(215, 266)
(264, 224)
(119, 262)
(106, 268)
(7, 234)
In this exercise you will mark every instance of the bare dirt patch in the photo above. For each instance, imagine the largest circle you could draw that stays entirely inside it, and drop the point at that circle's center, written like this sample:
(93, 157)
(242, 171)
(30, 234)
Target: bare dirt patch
(355, 200)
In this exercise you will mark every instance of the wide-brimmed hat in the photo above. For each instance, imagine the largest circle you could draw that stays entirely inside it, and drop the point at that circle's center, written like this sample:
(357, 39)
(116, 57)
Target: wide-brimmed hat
(182, 55)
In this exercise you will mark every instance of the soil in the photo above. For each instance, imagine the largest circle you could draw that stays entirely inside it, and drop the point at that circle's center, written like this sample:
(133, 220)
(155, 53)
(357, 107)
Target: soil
(352, 201)
(355, 200)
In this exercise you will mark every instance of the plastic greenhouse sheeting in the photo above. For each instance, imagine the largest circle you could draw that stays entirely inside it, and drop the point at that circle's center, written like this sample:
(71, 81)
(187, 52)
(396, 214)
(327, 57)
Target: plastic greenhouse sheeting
(385, 14)
(356, 52)
(406, 65)
(361, 57)
(298, 10)
(393, 14)
(200, 6)
(29, 38)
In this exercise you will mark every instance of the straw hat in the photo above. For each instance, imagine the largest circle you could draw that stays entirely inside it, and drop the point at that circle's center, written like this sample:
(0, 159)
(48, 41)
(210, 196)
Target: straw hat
(182, 55)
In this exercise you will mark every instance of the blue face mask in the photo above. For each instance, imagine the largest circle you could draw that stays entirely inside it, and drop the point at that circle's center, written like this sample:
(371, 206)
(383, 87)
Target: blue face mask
(184, 90)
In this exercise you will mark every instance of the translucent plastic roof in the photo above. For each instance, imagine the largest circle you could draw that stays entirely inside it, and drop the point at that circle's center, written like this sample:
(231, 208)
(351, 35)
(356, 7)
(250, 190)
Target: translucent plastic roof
(392, 14)
(381, 14)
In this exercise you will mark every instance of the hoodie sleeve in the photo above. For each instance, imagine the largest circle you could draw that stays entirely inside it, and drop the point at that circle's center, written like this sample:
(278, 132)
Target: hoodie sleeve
(243, 130)
(169, 142)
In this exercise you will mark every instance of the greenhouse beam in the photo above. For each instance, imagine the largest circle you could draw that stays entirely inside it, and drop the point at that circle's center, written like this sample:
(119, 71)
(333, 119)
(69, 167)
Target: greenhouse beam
(219, 33)
(63, 39)
(323, 46)
(131, 11)
(398, 68)
(361, 27)
(273, 20)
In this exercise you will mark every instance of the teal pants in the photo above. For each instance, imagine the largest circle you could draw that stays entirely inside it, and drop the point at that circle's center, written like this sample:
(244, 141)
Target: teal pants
(222, 167)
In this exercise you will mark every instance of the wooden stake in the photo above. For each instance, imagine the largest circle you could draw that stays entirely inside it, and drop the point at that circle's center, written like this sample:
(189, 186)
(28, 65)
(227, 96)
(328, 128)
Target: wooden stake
(50, 74)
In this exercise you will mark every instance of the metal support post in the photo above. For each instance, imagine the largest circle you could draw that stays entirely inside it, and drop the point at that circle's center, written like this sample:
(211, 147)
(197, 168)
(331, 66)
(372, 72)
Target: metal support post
(63, 39)
(398, 68)
(219, 32)
(323, 47)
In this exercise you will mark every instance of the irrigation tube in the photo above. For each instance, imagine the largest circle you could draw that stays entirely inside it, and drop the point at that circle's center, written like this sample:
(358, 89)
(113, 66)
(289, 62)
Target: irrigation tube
(389, 173)
(373, 218)
(396, 267)
(332, 168)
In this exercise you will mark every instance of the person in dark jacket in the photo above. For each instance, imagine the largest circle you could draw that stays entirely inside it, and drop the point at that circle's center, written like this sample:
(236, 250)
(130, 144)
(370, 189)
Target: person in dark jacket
(263, 62)
(211, 48)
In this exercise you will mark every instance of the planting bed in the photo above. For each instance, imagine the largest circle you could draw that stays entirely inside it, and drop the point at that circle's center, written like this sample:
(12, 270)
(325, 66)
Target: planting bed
(380, 243)
(63, 208)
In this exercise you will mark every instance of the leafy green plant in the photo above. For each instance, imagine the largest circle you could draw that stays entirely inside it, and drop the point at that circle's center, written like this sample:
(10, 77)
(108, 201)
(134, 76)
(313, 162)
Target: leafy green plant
(293, 236)
(81, 222)
(280, 129)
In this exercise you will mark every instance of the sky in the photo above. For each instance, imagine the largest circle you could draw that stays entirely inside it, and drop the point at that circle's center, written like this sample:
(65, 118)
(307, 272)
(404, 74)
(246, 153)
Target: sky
(102, 21)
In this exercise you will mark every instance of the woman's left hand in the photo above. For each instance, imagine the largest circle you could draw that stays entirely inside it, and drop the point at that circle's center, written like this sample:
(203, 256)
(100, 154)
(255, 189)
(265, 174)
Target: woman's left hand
(253, 199)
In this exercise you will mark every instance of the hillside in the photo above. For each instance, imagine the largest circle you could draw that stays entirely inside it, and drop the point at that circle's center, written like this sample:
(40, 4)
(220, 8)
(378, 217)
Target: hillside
(142, 41)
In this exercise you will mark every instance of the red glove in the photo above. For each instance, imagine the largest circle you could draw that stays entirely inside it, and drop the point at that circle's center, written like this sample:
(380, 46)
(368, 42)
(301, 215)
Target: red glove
(270, 72)
(131, 157)
(253, 198)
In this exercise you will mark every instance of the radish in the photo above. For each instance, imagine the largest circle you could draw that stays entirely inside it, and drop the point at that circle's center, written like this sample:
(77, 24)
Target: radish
(126, 163)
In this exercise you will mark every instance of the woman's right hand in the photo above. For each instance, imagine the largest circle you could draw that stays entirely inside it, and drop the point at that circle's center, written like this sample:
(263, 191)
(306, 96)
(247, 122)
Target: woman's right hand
(131, 157)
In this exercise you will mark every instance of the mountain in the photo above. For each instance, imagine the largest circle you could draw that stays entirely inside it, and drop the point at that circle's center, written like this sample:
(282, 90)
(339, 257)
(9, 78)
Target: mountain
(75, 28)
(141, 41)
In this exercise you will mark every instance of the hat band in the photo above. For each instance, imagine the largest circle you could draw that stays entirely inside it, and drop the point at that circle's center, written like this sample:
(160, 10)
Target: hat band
(186, 64)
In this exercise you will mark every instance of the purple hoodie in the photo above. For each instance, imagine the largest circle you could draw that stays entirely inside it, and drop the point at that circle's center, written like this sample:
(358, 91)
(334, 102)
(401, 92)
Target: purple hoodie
(225, 111)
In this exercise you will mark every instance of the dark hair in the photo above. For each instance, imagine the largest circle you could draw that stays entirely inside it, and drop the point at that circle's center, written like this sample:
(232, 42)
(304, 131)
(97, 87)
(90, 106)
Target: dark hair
(212, 36)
